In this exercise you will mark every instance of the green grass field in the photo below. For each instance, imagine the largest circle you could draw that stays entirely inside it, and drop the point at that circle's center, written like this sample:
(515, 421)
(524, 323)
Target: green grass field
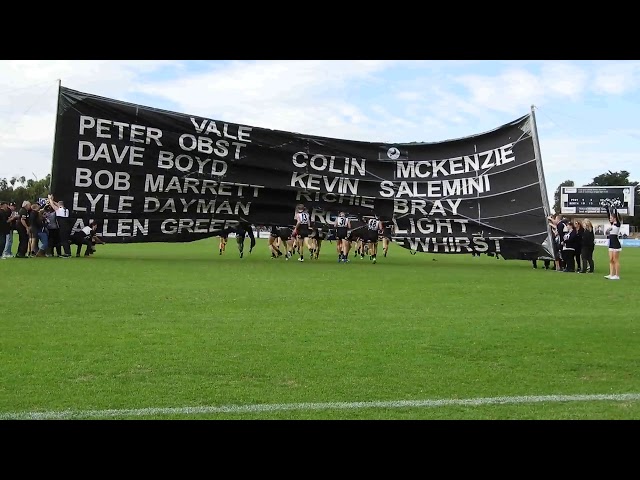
(176, 331)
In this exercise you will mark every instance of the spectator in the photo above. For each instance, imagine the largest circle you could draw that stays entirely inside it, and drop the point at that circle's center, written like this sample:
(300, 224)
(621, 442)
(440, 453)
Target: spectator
(37, 232)
(6, 217)
(12, 227)
(562, 227)
(579, 231)
(23, 230)
(588, 244)
(53, 230)
(569, 248)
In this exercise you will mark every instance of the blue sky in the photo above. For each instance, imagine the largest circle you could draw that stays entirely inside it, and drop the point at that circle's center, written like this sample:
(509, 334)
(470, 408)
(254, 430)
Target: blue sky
(586, 111)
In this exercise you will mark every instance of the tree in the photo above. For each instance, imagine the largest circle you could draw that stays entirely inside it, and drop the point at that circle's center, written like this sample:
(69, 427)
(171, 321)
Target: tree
(556, 195)
(18, 189)
(612, 179)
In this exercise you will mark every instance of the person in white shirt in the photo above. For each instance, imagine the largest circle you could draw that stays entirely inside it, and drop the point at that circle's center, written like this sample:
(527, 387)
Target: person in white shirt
(83, 237)
(64, 226)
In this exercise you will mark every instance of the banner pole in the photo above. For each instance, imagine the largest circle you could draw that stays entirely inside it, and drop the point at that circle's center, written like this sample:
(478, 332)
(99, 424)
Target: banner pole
(543, 183)
(55, 134)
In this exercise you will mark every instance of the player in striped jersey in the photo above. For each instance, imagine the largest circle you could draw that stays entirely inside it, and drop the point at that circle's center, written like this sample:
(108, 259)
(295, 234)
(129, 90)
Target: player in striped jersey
(302, 229)
(374, 226)
(342, 226)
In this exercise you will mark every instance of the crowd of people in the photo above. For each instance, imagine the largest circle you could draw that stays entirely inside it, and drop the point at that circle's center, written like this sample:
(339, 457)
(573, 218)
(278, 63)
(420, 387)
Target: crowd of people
(44, 230)
(574, 243)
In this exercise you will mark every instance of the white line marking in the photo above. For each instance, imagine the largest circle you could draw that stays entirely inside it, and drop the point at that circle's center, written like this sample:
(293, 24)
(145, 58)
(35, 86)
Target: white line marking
(469, 402)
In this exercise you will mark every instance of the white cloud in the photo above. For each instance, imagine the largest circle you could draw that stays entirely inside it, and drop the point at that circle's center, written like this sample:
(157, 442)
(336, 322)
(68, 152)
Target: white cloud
(510, 92)
(617, 78)
(564, 80)
(28, 103)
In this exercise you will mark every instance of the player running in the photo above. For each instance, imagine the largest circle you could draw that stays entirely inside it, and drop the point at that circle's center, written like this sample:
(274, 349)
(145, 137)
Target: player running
(342, 226)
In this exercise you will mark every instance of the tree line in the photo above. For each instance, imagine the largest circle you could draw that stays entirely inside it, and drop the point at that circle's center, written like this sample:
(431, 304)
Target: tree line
(18, 189)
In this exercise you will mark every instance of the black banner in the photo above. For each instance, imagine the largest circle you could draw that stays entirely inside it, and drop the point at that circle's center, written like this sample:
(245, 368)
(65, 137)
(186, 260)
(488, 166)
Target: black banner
(149, 175)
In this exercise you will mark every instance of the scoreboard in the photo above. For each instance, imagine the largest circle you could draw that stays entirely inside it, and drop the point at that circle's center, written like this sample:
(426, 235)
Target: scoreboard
(592, 200)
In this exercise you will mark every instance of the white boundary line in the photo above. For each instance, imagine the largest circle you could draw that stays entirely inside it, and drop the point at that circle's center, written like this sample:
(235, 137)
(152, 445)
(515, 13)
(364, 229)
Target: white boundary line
(469, 402)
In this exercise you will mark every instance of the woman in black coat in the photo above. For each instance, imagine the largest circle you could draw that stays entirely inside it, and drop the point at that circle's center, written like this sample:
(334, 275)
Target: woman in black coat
(569, 248)
(588, 244)
(577, 225)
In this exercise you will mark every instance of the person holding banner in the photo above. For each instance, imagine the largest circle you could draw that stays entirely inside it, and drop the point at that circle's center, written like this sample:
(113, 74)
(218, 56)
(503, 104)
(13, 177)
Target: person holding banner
(64, 225)
(615, 247)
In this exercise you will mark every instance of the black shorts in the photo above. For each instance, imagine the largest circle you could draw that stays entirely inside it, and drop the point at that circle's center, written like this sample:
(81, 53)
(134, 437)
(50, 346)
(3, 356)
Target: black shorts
(284, 234)
(303, 231)
(79, 238)
(341, 233)
(371, 236)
